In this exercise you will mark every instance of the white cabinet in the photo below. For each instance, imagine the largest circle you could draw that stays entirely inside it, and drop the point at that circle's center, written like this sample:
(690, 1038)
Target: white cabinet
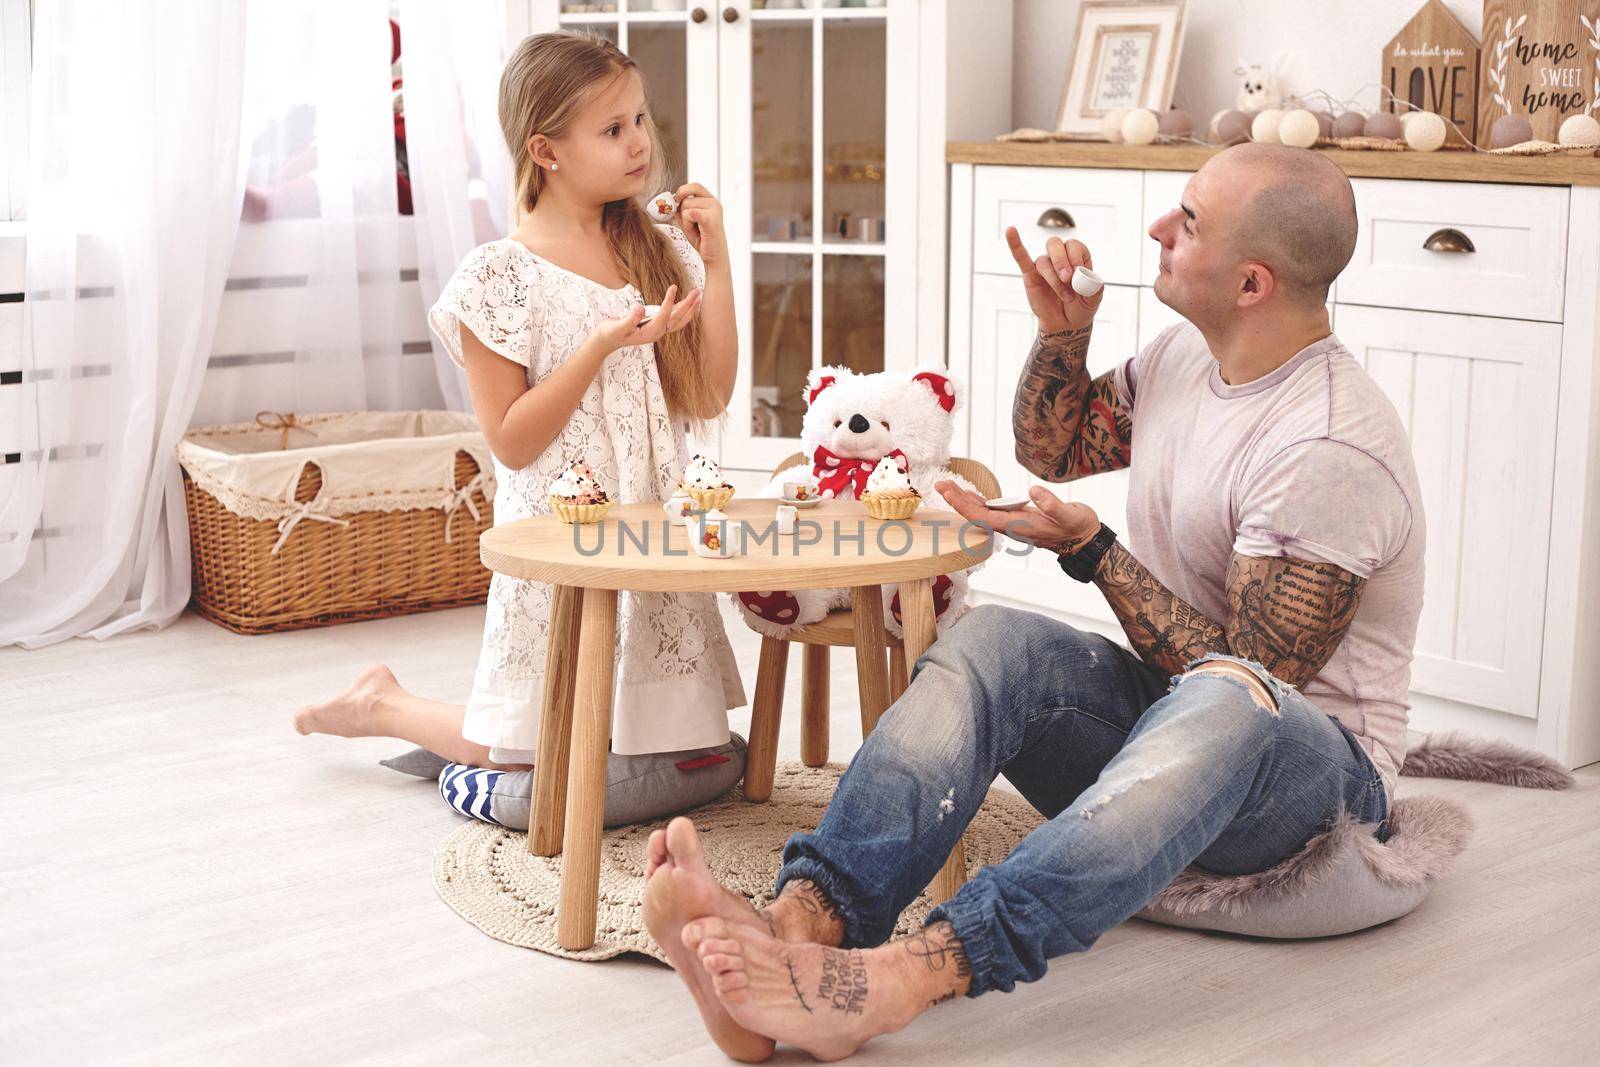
(1003, 329)
(1478, 397)
(1101, 208)
(1488, 354)
(1472, 248)
(821, 129)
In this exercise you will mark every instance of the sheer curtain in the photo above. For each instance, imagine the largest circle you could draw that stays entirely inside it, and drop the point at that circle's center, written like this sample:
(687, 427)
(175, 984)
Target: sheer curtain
(196, 163)
(133, 207)
(320, 246)
(451, 57)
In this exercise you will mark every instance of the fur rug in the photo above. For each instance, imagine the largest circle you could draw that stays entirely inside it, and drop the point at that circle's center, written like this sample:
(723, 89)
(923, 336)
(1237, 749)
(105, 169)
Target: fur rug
(1426, 833)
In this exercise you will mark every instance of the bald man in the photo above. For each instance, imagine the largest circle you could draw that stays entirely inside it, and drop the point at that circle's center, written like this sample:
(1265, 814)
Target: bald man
(1269, 589)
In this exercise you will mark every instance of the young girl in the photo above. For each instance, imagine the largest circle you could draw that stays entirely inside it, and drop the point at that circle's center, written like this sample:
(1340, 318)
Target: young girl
(547, 324)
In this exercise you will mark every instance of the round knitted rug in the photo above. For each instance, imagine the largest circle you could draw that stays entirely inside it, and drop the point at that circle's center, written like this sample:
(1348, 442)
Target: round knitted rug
(488, 876)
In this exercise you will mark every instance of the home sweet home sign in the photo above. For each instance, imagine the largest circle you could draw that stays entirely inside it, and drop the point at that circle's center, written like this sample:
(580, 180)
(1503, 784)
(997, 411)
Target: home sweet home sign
(1541, 59)
(1432, 65)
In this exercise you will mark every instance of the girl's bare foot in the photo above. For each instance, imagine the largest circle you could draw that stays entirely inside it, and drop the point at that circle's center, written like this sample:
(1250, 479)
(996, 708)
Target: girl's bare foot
(351, 713)
(827, 1001)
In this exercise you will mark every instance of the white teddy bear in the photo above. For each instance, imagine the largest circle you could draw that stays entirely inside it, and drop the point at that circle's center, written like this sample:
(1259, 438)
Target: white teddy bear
(852, 421)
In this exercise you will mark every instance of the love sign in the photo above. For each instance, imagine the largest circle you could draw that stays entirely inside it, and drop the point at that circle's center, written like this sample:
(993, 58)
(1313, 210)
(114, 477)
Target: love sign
(1432, 65)
(1541, 59)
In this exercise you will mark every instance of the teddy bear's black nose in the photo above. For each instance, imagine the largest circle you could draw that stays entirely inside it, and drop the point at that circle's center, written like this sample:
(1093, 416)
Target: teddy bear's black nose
(859, 424)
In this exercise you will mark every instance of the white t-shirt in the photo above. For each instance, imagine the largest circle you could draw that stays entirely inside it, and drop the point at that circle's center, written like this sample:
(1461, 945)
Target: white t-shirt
(1309, 462)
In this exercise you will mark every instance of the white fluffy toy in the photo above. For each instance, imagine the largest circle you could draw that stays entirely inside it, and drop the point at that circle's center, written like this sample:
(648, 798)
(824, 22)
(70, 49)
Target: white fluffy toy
(852, 421)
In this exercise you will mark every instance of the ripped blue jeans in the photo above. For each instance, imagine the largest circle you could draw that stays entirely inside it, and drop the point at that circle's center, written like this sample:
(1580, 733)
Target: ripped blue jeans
(1136, 780)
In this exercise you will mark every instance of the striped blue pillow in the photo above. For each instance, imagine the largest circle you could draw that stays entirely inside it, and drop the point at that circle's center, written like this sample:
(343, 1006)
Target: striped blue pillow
(470, 790)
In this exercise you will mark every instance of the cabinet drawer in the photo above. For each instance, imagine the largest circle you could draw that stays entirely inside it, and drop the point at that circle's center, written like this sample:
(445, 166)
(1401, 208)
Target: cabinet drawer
(1104, 209)
(1517, 233)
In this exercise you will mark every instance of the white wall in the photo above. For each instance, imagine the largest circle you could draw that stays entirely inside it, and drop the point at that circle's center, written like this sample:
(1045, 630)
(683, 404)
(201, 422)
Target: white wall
(1334, 47)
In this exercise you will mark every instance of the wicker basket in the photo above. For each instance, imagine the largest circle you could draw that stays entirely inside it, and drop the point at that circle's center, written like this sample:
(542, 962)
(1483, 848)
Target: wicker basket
(252, 576)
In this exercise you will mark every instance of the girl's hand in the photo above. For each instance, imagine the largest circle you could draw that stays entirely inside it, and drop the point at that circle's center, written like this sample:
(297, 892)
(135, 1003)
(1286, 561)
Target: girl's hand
(702, 221)
(613, 334)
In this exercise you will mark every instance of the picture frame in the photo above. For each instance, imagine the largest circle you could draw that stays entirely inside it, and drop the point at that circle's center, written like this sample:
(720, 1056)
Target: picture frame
(1124, 55)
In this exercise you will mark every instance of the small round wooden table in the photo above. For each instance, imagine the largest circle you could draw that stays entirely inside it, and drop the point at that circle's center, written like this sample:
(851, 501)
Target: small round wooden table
(837, 545)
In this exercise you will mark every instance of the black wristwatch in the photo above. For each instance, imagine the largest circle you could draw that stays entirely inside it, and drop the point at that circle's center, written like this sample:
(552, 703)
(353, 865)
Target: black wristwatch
(1085, 561)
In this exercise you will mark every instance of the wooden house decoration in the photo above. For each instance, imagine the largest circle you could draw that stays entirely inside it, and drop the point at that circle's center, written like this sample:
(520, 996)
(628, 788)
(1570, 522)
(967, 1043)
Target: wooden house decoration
(1432, 64)
(1541, 59)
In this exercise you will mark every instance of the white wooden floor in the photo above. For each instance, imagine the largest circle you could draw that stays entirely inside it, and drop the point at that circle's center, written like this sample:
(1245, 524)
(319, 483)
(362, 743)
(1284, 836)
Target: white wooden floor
(187, 880)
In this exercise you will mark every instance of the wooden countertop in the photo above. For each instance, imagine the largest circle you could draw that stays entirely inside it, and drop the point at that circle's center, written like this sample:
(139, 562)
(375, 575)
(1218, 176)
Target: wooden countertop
(1431, 166)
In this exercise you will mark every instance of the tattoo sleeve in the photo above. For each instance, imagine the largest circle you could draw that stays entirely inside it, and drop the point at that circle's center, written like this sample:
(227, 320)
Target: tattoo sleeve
(1286, 614)
(1289, 614)
(1066, 425)
(1165, 631)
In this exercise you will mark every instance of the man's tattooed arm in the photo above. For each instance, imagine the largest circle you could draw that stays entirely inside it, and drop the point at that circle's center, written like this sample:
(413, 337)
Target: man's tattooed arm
(1289, 614)
(1286, 614)
(1167, 632)
(1066, 425)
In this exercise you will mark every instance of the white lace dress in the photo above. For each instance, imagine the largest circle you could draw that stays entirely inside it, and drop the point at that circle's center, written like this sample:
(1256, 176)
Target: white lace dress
(676, 675)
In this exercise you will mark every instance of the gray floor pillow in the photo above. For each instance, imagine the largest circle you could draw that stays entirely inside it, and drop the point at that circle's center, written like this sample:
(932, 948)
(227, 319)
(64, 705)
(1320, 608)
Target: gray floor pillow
(1343, 880)
(638, 788)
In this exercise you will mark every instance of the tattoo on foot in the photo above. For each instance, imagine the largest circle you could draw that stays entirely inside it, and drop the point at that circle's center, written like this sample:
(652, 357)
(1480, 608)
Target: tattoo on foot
(794, 981)
(813, 901)
(843, 985)
(938, 947)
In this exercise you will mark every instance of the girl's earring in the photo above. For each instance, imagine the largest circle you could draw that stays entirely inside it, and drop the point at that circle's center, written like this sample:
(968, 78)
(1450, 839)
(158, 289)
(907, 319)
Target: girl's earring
(555, 166)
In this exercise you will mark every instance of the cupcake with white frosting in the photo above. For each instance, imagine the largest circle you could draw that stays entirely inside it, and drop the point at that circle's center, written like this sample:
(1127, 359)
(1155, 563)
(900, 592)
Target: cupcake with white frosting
(703, 481)
(576, 496)
(889, 494)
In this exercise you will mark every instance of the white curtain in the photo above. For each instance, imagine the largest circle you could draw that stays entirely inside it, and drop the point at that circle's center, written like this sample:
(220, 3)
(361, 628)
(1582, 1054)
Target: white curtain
(318, 266)
(158, 125)
(134, 192)
(451, 57)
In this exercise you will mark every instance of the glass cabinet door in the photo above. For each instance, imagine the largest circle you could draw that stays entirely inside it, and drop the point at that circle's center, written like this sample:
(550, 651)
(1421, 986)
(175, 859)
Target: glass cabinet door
(782, 109)
(807, 153)
(674, 43)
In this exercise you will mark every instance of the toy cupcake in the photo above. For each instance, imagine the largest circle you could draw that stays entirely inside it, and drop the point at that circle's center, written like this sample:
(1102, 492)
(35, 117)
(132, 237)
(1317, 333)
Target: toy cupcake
(889, 494)
(703, 481)
(576, 497)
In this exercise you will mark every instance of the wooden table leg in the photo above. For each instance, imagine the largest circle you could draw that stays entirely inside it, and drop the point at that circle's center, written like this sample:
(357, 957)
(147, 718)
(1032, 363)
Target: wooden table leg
(555, 723)
(814, 706)
(899, 673)
(866, 602)
(586, 795)
(766, 711)
(918, 623)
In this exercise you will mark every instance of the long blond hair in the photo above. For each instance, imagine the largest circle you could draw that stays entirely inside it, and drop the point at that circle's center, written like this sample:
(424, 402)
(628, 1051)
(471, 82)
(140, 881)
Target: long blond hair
(548, 78)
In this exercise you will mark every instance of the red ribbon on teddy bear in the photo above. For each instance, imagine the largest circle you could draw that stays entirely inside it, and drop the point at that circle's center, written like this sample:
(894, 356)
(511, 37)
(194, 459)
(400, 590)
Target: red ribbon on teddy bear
(841, 473)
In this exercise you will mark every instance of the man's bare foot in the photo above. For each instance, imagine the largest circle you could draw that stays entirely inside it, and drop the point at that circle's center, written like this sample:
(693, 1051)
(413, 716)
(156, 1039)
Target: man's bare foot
(679, 887)
(350, 714)
(827, 1001)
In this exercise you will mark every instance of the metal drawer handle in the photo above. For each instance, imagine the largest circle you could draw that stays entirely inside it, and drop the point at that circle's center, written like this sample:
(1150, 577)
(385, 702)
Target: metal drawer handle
(698, 14)
(1448, 240)
(730, 14)
(1055, 218)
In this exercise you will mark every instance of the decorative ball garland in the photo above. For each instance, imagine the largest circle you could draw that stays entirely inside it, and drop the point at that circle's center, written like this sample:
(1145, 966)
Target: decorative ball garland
(1318, 120)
